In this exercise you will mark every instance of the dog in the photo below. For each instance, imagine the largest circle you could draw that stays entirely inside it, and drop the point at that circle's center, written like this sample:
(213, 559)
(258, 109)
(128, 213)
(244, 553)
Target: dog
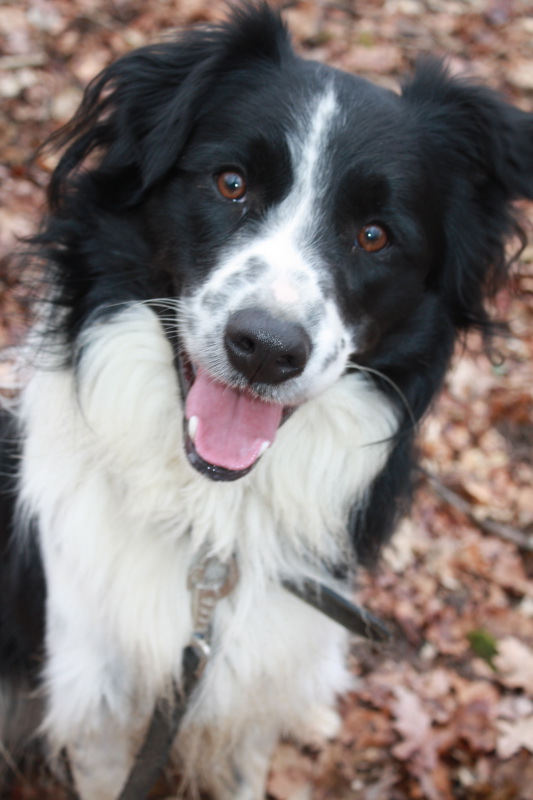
(254, 271)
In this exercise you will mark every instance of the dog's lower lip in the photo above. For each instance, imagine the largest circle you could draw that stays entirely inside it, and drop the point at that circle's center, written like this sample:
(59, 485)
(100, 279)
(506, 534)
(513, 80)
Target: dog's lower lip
(211, 471)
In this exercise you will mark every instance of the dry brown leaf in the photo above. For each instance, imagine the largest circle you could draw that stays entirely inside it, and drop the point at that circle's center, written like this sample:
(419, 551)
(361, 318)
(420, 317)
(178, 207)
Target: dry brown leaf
(420, 746)
(381, 790)
(474, 720)
(447, 632)
(291, 774)
(365, 727)
(520, 74)
(513, 736)
(412, 723)
(384, 58)
(514, 663)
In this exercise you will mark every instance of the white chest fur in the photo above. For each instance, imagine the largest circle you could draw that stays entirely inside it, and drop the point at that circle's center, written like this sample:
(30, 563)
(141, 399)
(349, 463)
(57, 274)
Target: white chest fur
(121, 514)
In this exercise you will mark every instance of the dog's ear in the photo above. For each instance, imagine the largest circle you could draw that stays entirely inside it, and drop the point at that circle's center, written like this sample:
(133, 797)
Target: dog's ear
(137, 114)
(479, 152)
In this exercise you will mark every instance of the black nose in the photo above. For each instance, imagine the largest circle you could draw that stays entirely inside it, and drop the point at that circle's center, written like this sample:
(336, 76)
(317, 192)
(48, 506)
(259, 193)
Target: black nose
(265, 348)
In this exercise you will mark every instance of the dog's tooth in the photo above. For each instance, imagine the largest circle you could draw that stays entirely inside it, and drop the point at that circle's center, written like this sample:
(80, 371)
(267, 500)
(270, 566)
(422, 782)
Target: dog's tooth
(192, 427)
(264, 447)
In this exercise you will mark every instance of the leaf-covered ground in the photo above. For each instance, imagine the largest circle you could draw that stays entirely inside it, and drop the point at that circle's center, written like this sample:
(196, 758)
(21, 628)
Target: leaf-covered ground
(446, 710)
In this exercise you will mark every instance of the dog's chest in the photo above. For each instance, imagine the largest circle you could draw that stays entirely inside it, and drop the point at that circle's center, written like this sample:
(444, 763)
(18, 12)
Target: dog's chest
(121, 514)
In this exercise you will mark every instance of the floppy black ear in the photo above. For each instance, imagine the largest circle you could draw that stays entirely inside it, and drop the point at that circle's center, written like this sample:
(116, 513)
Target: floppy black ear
(480, 150)
(136, 115)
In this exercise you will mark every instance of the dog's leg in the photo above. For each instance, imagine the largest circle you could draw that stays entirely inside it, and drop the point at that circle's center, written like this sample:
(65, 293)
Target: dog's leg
(100, 760)
(250, 762)
(228, 767)
(90, 717)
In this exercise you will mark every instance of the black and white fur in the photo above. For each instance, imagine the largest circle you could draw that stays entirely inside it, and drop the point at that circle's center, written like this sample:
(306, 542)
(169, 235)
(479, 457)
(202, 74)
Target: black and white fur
(146, 265)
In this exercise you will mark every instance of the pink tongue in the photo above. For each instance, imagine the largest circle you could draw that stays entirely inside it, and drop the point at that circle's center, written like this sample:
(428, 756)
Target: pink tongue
(232, 426)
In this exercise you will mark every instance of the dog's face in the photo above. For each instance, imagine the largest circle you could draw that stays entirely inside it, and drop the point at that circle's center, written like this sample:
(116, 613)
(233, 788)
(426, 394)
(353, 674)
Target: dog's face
(305, 221)
(300, 232)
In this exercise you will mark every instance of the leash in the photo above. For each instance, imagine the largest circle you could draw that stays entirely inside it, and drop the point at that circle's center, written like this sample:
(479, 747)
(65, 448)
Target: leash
(164, 725)
(351, 616)
(209, 581)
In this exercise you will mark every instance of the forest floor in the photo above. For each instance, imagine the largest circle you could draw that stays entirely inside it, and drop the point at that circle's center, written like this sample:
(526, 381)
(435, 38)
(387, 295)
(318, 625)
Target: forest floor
(446, 710)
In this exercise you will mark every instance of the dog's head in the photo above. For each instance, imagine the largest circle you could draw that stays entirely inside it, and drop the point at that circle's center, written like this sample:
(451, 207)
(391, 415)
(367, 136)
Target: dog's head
(307, 220)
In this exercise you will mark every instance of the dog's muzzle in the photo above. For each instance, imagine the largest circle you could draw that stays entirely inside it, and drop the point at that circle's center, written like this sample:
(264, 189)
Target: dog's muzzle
(228, 428)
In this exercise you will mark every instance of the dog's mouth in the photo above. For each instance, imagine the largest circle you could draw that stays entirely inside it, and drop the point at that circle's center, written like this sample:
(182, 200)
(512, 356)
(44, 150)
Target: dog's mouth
(227, 429)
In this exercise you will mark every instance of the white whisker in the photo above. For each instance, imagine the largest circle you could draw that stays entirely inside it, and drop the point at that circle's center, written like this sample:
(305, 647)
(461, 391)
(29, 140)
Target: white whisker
(391, 383)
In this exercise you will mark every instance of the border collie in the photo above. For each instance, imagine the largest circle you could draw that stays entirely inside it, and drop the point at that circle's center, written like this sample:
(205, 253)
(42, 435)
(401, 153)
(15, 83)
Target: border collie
(256, 267)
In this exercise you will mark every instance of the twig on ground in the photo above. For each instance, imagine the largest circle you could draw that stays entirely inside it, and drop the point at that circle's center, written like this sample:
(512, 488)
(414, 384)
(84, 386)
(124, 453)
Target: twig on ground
(486, 524)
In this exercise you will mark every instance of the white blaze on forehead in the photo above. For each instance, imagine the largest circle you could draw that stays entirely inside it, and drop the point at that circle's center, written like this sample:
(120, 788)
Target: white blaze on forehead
(284, 244)
(308, 148)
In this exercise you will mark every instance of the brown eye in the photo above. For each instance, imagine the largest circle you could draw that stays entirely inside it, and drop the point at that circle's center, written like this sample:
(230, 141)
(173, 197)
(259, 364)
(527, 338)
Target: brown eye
(372, 238)
(231, 185)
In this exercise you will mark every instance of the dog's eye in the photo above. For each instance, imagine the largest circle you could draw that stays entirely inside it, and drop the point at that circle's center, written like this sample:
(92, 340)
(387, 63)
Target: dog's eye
(231, 185)
(372, 238)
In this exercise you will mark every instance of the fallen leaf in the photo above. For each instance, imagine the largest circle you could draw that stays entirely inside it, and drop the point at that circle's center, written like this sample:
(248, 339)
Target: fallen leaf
(412, 723)
(474, 722)
(513, 736)
(384, 58)
(381, 790)
(291, 774)
(520, 74)
(514, 663)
